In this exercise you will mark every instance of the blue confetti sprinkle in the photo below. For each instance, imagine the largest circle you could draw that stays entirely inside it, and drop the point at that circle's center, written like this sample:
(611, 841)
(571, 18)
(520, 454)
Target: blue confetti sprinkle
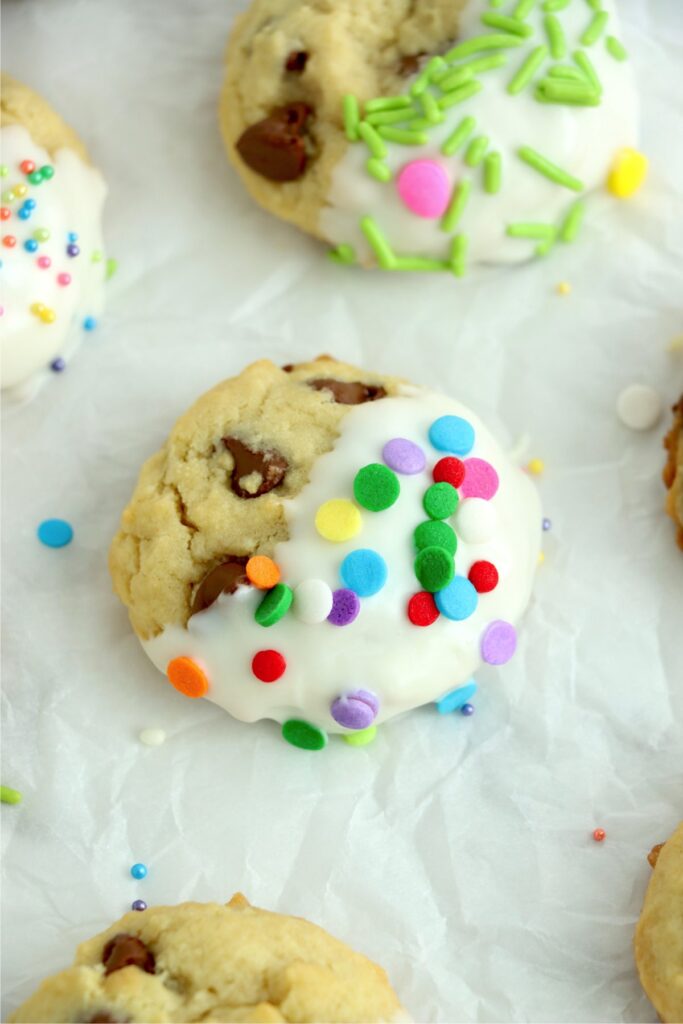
(55, 533)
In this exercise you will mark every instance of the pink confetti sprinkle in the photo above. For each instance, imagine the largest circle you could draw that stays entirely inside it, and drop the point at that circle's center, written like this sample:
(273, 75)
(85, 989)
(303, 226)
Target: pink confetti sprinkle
(481, 480)
(424, 187)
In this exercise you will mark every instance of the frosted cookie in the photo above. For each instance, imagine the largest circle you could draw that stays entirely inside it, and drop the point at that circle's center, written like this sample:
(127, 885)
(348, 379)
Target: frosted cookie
(53, 266)
(673, 471)
(327, 548)
(208, 962)
(659, 935)
(435, 134)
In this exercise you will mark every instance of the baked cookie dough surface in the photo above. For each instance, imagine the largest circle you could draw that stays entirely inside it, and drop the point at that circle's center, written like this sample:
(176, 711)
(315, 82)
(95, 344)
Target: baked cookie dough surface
(673, 471)
(659, 935)
(209, 962)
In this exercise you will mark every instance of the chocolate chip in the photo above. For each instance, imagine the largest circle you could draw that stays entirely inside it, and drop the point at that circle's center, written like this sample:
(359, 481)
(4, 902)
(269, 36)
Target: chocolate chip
(275, 147)
(348, 392)
(126, 951)
(296, 61)
(411, 63)
(653, 855)
(288, 367)
(269, 465)
(223, 579)
(103, 1017)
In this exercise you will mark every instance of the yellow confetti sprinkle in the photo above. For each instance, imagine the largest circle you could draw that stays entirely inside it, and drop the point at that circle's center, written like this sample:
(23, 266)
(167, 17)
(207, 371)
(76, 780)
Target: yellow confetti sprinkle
(564, 288)
(628, 173)
(536, 467)
(338, 520)
(676, 344)
(541, 557)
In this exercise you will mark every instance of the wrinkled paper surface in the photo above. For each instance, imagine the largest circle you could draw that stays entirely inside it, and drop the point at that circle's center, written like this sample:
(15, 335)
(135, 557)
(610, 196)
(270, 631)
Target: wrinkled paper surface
(456, 851)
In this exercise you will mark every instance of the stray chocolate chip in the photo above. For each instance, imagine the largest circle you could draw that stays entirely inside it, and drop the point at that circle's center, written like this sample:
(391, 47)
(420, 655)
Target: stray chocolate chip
(275, 147)
(411, 63)
(296, 61)
(288, 367)
(653, 855)
(223, 579)
(269, 465)
(348, 392)
(103, 1017)
(127, 951)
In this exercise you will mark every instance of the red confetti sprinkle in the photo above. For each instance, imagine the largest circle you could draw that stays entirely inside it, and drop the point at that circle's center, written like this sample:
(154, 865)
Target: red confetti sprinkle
(449, 470)
(5, 212)
(27, 166)
(422, 610)
(599, 835)
(10, 241)
(483, 576)
(268, 666)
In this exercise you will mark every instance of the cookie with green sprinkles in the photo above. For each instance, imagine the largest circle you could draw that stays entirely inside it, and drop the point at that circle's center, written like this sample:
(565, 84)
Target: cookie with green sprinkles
(445, 147)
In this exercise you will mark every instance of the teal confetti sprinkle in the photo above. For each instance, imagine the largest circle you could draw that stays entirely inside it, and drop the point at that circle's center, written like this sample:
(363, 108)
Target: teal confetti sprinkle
(456, 207)
(476, 150)
(480, 43)
(372, 140)
(459, 136)
(402, 136)
(572, 222)
(548, 169)
(450, 99)
(492, 173)
(527, 70)
(380, 246)
(556, 37)
(615, 48)
(506, 24)
(344, 254)
(595, 29)
(351, 115)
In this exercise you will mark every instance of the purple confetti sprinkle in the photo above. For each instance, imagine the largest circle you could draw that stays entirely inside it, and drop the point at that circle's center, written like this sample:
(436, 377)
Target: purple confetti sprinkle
(345, 607)
(404, 456)
(356, 710)
(498, 643)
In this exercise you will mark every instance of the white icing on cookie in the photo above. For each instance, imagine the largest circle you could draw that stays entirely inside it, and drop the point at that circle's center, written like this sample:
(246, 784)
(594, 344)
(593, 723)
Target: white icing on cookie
(582, 140)
(69, 203)
(404, 665)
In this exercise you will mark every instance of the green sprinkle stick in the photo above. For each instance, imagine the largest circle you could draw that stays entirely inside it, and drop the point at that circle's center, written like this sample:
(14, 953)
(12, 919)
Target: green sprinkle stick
(595, 5)
(387, 103)
(422, 124)
(615, 48)
(455, 77)
(479, 64)
(456, 207)
(378, 169)
(391, 117)
(417, 263)
(524, 8)
(556, 37)
(344, 254)
(351, 117)
(433, 66)
(543, 248)
(550, 170)
(460, 135)
(579, 94)
(112, 267)
(431, 108)
(572, 222)
(476, 150)
(566, 71)
(527, 70)
(555, 5)
(460, 95)
(496, 3)
(506, 24)
(586, 65)
(481, 43)
(378, 242)
(527, 230)
(402, 136)
(492, 173)
(10, 796)
(595, 29)
(459, 255)
(372, 140)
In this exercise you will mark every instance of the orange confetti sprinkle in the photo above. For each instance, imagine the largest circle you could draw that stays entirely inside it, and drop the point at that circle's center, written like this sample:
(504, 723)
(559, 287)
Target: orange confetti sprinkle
(263, 572)
(187, 677)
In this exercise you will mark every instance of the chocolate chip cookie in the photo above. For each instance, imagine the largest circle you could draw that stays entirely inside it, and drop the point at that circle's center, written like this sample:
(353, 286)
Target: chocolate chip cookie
(673, 471)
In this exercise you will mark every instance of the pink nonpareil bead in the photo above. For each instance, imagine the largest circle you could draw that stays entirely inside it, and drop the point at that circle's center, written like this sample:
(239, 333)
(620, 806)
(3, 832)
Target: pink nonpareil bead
(44, 262)
(64, 279)
(425, 188)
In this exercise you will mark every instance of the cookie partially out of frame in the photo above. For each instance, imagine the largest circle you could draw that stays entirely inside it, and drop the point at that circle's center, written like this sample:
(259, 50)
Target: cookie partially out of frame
(659, 935)
(209, 962)
(673, 471)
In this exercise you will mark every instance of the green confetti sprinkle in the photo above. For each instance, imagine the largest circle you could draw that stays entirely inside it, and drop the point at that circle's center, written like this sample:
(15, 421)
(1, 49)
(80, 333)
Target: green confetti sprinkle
(456, 207)
(524, 8)
(586, 65)
(615, 48)
(566, 71)
(480, 43)
(378, 169)
(10, 796)
(391, 117)
(434, 568)
(376, 487)
(580, 94)
(527, 70)
(556, 37)
(492, 173)
(572, 222)
(372, 140)
(435, 533)
(344, 254)
(459, 248)
(525, 229)
(403, 136)
(418, 263)
(351, 115)
(112, 268)
(387, 103)
(476, 150)
(506, 24)
(379, 244)
(459, 136)
(274, 605)
(460, 95)
(431, 108)
(303, 735)
(555, 5)
(595, 29)
(361, 737)
(550, 170)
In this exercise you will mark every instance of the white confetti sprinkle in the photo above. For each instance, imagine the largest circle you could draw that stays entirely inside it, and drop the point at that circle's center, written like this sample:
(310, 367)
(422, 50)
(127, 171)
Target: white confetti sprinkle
(152, 737)
(639, 407)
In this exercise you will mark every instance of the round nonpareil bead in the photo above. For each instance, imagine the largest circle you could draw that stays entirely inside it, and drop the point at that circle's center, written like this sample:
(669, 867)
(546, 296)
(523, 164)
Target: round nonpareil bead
(475, 520)
(345, 607)
(138, 905)
(312, 601)
(338, 520)
(27, 166)
(440, 501)
(90, 323)
(31, 245)
(187, 677)
(422, 610)
(268, 666)
(454, 699)
(425, 188)
(481, 480)
(44, 262)
(303, 735)
(63, 279)
(376, 487)
(467, 710)
(356, 710)
(483, 576)
(449, 470)
(498, 643)
(404, 456)
(458, 600)
(139, 871)
(434, 569)
(434, 533)
(452, 434)
(72, 250)
(364, 571)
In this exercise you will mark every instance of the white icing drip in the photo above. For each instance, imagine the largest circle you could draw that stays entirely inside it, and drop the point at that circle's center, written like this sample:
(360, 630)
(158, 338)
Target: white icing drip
(405, 665)
(71, 201)
(581, 140)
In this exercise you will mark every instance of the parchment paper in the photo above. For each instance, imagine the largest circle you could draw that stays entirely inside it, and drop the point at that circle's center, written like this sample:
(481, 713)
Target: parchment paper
(456, 851)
